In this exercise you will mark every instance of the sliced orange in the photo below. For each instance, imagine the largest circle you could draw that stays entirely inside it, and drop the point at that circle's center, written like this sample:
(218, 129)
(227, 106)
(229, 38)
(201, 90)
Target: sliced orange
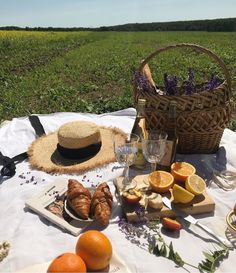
(182, 170)
(160, 181)
(195, 184)
(181, 195)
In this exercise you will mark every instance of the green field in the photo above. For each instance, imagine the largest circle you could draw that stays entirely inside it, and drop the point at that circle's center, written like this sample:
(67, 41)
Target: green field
(44, 72)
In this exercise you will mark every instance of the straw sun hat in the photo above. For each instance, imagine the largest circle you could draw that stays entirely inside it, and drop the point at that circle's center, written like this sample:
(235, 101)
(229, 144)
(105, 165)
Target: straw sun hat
(77, 146)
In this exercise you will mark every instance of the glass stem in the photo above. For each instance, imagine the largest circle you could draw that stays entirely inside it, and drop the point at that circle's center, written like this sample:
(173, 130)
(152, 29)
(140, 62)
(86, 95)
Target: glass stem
(153, 166)
(126, 175)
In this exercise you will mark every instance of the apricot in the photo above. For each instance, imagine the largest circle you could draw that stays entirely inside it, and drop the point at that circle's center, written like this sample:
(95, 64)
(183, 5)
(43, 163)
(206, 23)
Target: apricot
(171, 224)
(132, 196)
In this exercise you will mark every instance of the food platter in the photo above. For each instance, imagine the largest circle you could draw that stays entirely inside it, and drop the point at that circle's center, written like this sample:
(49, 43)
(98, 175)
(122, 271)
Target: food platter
(200, 204)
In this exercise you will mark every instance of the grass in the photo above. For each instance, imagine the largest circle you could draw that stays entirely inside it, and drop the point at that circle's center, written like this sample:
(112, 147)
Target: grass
(45, 72)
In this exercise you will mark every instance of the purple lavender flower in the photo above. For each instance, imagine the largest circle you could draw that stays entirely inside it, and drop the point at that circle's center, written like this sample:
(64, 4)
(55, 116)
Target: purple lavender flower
(140, 212)
(142, 82)
(130, 229)
(213, 83)
(170, 84)
(189, 85)
(142, 234)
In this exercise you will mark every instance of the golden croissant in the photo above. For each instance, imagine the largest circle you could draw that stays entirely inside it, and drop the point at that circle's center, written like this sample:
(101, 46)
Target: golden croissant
(101, 204)
(79, 198)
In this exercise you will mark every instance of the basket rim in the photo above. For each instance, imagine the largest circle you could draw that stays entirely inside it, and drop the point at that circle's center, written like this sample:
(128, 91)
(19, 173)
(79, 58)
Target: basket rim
(195, 47)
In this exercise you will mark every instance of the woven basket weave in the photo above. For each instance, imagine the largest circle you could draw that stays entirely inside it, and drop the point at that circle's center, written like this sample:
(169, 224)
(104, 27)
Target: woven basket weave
(201, 117)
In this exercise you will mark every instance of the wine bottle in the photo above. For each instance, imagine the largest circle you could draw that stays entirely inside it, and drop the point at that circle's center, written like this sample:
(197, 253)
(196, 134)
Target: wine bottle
(139, 129)
(172, 138)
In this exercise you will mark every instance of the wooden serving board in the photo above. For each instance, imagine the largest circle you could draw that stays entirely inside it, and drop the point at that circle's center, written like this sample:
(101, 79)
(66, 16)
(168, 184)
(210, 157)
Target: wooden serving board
(200, 204)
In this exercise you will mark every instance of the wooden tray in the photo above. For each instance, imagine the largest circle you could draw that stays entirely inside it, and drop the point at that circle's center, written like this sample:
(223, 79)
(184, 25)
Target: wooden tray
(199, 205)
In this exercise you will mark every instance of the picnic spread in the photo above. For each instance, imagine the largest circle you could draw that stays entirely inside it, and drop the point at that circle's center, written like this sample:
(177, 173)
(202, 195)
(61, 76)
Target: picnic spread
(36, 240)
(151, 190)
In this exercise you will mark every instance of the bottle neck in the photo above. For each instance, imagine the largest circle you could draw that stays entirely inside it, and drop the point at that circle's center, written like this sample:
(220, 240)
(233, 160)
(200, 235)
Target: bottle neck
(141, 110)
(139, 127)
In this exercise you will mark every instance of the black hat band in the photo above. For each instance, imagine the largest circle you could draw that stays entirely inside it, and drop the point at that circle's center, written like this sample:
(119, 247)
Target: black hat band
(80, 153)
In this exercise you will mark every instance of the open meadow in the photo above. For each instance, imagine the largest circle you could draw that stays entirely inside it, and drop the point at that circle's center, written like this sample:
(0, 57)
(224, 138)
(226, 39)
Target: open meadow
(44, 72)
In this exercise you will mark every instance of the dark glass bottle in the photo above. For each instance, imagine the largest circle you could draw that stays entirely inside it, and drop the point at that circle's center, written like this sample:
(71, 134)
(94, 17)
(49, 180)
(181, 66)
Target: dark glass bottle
(139, 129)
(172, 138)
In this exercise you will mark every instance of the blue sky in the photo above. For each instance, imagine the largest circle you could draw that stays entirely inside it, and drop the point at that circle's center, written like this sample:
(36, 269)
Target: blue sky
(94, 13)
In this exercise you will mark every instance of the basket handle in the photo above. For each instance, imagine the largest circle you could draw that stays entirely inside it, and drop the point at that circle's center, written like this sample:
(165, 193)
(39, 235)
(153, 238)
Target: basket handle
(196, 48)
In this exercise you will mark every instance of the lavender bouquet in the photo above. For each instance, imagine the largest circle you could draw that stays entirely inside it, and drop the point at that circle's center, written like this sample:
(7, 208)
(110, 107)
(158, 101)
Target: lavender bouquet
(176, 86)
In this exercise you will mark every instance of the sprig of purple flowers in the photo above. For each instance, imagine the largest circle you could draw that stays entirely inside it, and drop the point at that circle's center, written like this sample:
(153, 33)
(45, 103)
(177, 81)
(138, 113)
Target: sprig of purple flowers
(146, 235)
(138, 233)
(190, 83)
(213, 83)
(170, 84)
(189, 86)
(173, 87)
(142, 83)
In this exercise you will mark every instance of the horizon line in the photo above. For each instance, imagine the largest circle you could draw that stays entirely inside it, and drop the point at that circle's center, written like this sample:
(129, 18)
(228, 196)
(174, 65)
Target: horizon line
(164, 22)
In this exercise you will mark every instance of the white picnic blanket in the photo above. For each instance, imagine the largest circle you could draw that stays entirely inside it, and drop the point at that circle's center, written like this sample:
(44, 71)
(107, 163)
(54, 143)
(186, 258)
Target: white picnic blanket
(35, 240)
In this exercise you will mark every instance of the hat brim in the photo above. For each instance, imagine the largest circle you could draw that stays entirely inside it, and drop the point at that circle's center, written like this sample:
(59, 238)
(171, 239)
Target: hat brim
(43, 153)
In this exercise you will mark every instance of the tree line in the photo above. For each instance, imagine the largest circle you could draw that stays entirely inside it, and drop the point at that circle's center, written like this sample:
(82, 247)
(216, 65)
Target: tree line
(195, 25)
(224, 25)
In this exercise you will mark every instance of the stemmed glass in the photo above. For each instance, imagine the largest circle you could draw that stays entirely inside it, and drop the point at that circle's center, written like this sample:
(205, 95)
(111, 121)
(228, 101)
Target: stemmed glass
(126, 153)
(154, 147)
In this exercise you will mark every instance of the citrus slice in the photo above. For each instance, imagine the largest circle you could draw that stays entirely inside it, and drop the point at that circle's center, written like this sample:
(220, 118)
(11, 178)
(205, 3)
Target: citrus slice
(182, 170)
(181, 195)
(195, 184)
(160, 181)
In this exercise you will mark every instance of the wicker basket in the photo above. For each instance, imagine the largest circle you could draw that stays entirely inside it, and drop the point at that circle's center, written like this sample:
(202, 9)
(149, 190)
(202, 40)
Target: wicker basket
(202, 117)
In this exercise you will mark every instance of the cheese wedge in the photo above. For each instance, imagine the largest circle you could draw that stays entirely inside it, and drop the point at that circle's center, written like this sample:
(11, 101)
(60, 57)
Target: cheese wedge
(155, 201)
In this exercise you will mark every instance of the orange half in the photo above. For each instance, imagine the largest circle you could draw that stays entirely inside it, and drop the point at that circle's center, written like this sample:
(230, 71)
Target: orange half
(182, 170)
(160, 181)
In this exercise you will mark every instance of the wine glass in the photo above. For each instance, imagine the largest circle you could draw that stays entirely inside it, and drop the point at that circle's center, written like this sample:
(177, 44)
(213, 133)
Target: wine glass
(126, 153)
(154, 147)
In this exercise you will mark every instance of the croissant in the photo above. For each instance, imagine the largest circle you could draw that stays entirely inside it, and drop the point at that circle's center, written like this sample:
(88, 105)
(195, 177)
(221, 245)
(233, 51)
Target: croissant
(101, 204)
(79, 198)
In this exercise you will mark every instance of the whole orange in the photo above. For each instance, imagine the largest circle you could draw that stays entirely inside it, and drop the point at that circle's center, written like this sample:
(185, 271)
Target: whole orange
(95, 249)
(67, 262)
